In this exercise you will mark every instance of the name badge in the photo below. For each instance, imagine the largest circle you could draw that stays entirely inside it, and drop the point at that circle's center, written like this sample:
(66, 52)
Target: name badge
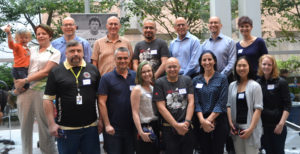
(149, 95)
(79, 99)
(182, 91)
(86, 82)
(241, 96)
(240, 51)
(153, 52)
(199, 85)
(271, 86)
(131, 87)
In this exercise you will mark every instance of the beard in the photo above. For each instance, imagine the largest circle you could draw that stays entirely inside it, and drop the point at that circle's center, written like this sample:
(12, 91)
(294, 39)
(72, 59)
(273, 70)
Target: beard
(75, 60)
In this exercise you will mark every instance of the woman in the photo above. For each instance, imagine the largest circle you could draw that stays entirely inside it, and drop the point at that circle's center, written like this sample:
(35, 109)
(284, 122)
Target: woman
(30, 103)
(143, 113)
(277, 104)
(252, 47)
(210, 89)
(244, 107)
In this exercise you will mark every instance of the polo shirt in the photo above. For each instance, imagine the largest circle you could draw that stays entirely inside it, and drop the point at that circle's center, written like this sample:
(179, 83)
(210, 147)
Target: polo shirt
(118, 90)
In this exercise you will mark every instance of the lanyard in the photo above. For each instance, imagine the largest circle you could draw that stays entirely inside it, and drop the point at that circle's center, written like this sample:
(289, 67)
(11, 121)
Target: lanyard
(76, 77)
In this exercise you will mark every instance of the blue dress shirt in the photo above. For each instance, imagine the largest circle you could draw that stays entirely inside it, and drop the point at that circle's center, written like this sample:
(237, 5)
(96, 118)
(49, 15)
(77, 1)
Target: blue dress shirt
(61, 45)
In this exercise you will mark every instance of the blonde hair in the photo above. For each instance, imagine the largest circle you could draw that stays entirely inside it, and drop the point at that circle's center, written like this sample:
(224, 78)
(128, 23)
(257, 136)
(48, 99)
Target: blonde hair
(23, 32)
(275, 72)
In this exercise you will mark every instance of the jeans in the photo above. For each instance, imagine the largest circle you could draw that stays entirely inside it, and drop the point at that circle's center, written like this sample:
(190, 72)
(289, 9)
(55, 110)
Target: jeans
(20, 73)
(273, 143)
(119, 143)
(85, 140)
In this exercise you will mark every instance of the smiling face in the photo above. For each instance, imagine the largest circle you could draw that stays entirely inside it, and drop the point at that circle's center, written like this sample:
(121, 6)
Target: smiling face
(208, 62)
(122, 60)
(23, 38)
(267, 66)
(149, 30)
(242, 68)
(113, 25)
(172, 68)
(42, 36)
(245, 29)
(146, 73)
(214, 25)
(181, 27)
(68, 27)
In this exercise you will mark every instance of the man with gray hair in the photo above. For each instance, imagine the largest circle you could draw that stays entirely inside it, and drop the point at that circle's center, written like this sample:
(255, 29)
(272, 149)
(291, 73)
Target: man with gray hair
(73, 85)
(115, 107)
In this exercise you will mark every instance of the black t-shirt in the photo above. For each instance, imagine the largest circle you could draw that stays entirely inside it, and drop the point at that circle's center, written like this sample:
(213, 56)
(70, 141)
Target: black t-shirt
(62, 83)
(151, 52)
(175, 94)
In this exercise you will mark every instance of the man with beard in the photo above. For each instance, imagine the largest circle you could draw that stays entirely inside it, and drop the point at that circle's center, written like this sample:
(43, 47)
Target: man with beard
(174, 97)
(186, 48)
(152, 49)
(69, 27)
(73, 84)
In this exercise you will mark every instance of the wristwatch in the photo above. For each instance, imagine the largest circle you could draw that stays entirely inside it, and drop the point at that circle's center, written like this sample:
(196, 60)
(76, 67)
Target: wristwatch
(26, 80)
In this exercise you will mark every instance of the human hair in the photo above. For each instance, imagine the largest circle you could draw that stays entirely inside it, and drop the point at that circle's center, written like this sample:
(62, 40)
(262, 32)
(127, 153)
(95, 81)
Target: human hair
(251, 74)
(200, 59)
(72, 43)
(245, 20)
(23, 32)
(122, 49)
(275, 72)
(47, 28)
(94, 19)
(138, 79)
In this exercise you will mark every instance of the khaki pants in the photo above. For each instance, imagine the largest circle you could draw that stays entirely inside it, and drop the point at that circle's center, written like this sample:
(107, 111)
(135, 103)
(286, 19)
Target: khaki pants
(30, 106)
(241, 147)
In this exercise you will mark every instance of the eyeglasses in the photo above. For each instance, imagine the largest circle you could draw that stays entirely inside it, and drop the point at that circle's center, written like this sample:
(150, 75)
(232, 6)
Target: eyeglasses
(120, 58)
(148, 27)
(68, 25)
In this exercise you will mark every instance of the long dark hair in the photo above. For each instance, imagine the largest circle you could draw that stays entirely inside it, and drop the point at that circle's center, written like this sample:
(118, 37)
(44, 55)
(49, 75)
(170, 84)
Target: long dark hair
(251, 74)
(200, 59)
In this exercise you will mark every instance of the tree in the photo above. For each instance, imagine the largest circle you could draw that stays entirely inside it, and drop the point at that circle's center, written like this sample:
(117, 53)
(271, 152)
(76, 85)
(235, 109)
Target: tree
(5, 75)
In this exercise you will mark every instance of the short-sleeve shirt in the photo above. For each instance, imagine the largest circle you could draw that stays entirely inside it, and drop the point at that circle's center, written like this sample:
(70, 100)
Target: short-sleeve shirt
(38, 61)
(21, 54)
(103, 53)
(118, 91)
(175, 95)
(151, 52)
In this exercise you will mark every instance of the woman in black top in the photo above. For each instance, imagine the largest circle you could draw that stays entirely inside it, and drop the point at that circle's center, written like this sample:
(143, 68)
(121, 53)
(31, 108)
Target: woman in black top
(277, 104)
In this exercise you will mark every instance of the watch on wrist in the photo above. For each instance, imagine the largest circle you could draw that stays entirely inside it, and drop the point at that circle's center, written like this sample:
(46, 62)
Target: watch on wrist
(189, 121)
(26, 80)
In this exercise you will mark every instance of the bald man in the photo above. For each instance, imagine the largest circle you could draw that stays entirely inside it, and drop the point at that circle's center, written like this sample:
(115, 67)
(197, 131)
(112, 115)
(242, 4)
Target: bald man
(222, 46)
(186, 48)
(174, 97)
(69, 28)
(104, 48)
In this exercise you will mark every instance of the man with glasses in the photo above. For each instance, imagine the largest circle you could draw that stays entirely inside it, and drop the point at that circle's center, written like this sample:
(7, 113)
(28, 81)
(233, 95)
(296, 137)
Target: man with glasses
(103, 50)
(186, 48)
(152, 49)
(69, 27)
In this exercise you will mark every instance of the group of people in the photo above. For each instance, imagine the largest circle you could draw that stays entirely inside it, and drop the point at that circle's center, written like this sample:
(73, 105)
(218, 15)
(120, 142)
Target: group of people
(174, 99)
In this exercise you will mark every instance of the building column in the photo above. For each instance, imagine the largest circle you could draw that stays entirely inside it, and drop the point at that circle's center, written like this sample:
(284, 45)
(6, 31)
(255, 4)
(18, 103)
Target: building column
(222, 9)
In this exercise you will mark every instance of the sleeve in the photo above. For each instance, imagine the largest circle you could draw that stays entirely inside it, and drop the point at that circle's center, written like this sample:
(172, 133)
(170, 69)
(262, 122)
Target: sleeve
(164, 49)
(103, 86)
(11, 45)
(231, 58)
(263, 47)
(87, 51)
(170, 49)
(221, 102)
(257, 96)
(136, 52)
(196, 98)
(130, 49)
(96, 51)
(158, 93)
(229, 99)
(285, 94)
(193, 65)
(55, 57)
(189, 85)
(50, 91)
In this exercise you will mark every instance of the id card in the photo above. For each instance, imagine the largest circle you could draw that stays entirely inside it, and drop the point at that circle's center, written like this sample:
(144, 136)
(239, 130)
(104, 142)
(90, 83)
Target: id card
(240, 51)
(79, 99)
(86, 82)
(241, 96)
(199, 85)
(182, 91)
(271, 86)
(153, 52)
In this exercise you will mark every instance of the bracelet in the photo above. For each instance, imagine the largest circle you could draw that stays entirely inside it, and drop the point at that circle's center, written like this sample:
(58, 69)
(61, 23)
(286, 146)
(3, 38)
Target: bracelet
(26, 80)
(189, 121)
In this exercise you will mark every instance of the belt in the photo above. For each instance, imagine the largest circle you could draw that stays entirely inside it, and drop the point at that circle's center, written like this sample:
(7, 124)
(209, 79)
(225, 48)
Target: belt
(76, 128)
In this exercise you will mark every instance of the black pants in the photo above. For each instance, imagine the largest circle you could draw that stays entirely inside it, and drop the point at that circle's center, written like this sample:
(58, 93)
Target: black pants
(148, 147)
(213, 142)
(177, 144)
(273, 143)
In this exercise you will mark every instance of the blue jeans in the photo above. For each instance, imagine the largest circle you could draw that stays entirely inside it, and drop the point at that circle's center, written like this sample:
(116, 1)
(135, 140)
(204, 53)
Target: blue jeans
(85, 140)
(273, 143)
(119, 143)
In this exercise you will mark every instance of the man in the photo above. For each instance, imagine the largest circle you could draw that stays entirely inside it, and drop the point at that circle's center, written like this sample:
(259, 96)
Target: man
(174, 97)
(222, 46)
(186, 48)
(114, 102)
(73, 84)
(94, 32)
(69, 27)
(103, 51)
(153, 50)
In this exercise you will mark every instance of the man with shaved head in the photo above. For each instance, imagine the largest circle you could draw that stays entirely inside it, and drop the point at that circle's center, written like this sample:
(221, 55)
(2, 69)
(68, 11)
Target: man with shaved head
(152, 49)
(69, 28)
(222, 46)
(174, 97)
(186, 48)
(103, 51)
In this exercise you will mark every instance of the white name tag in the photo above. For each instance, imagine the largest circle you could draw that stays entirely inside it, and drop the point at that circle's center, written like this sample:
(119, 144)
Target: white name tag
(199, 85)
(149, 95)
(182, 91)
(153, 52)
(240, 51)
(271, 86)
(86, 82)
(131, 87)
(241, 96)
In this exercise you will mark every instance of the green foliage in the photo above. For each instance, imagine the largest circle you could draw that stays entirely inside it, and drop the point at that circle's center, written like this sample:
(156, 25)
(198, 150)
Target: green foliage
(5, 75)
(292, 65)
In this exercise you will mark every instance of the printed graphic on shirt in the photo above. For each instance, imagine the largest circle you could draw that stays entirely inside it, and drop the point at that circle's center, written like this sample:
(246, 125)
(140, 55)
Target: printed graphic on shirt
(175, 100)
(148, 55)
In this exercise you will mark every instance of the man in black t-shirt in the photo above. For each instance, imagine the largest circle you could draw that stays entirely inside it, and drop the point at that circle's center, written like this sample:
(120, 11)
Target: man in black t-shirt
(152, 49)
(174, 97)
(73, 84)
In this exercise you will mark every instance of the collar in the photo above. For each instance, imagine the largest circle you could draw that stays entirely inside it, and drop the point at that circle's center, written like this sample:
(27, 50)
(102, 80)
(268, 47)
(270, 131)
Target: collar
(109, 41)
(220, 36)
(115, 71)
(68, 66)
(187, 36)
(63, 40)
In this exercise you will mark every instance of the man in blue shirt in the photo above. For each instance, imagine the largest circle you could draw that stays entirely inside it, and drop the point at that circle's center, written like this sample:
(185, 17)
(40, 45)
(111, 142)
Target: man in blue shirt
(186, 48)
(222, 46)
(69, 27)
(115, 107)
